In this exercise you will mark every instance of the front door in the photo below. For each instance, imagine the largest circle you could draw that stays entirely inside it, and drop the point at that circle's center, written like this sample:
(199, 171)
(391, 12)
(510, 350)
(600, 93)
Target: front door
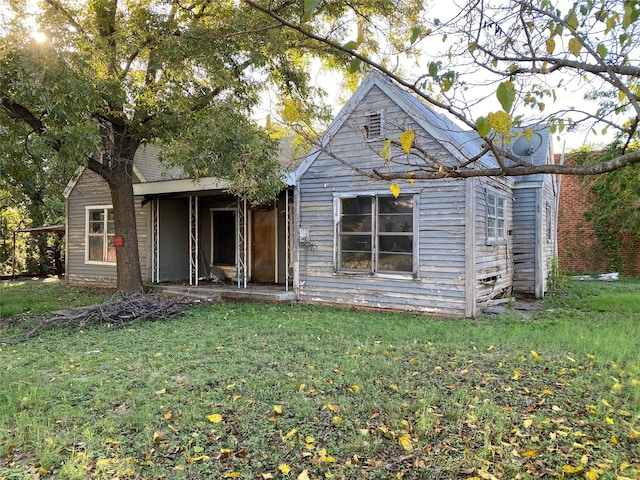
(263, 245)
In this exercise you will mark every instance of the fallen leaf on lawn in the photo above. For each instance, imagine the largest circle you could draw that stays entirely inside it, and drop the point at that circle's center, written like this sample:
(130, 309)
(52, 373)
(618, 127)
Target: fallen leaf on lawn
(633, 433)
(572, 469)
(162, 391)
(167, 416)
(516, 375)
(332, 407)
(304, 475)
(529, 453)
(528, 422)
(591, 475)
(536, 356)
(198, 459)
(284, 468)
(354, 388)
(267, 476)
(277, 409)
(158, 437)
(405, 442)
(233, 475)
(290, 434)
(215, 418)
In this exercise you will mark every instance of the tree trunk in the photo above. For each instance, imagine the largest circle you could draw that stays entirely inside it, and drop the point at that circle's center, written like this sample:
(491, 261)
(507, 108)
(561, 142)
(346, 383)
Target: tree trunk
(129, 275)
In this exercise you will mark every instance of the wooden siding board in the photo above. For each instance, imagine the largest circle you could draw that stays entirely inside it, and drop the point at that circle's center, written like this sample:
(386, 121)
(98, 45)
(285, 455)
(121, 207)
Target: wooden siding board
(92, 190)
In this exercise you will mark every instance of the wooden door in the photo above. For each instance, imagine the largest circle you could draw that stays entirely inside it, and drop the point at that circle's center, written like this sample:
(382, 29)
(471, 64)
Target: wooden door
(263, 246)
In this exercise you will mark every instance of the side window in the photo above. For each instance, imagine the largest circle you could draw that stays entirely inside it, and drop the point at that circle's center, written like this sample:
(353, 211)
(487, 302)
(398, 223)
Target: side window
(99, 235)
(495, 218)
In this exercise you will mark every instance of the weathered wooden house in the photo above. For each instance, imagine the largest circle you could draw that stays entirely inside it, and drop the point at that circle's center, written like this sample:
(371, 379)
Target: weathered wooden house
(449, 247)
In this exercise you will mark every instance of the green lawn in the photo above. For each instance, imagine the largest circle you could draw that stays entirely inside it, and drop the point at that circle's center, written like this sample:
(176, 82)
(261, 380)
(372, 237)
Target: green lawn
(288, 391)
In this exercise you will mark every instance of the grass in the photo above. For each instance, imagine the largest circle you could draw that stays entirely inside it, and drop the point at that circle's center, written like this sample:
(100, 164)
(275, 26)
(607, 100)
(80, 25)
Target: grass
(254, 391)
(36, 296)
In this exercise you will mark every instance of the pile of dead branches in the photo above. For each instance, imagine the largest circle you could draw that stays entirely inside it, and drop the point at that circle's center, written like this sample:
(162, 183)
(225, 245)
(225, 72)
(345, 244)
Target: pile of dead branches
(119, 313)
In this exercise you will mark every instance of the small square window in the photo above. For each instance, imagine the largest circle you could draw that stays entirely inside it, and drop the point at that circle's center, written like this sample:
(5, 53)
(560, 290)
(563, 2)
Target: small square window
(495, 218)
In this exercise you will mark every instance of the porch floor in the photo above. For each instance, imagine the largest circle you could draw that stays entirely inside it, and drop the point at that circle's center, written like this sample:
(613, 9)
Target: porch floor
(230, 293)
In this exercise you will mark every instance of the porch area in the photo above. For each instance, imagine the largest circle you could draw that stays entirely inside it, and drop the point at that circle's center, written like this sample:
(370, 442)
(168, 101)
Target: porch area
(229, 293)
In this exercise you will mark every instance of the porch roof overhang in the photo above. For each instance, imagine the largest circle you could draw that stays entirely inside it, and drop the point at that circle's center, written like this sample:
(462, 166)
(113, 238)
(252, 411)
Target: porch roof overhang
(180, 186)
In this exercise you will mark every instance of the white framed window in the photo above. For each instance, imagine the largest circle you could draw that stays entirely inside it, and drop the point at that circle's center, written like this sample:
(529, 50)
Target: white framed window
(100, 230)
(374, 125)
(375, 234)
(495, 218)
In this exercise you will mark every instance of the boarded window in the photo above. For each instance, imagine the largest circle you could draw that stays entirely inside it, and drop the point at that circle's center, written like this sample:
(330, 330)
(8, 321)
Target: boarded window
(376, 234)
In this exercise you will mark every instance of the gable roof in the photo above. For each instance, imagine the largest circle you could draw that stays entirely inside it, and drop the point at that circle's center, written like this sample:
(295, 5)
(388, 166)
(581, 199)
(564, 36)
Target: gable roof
(461, 143)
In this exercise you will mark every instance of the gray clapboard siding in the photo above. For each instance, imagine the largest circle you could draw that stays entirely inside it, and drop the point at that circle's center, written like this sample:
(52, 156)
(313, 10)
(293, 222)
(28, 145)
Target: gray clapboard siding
(439, 286)
(91, 190)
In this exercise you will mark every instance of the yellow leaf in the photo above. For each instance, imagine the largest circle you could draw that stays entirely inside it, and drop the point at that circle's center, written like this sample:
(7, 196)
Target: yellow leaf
(613, 440)
(277, 409)
(395, 189)
(267, 476)
(621, 95)
(336, 419)
(527, 423)
(516, 375)
(529, 453)
(609, 420)
(167, 416)
(198, 459)
(406, 140)
(405, 442)
(304, 475)
(633, 433)
(290, 434)
(571, 469)
(284, 468)
(162, 391)
(356, 388)
(591, 475)
(332, 407)
(158, 437)
(500, 121)
(386, 148)
(233, 475)
(215, 418)
(616, 387)
(551, 45)
(289, 112)
(535, 356)
(575, 45)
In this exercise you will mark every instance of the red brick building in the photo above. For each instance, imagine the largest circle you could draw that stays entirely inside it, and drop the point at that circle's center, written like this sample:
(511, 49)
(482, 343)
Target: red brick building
(578, 248)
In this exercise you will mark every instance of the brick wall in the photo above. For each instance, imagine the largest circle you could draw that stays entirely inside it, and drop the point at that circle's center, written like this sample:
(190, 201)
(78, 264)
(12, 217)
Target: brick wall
(578, 249)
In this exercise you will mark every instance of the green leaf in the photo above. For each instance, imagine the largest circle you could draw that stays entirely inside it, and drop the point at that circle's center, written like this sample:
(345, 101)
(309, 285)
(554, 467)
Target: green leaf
(602, 50)
(631, 13)
(506, 94)
(310, 7)
(352, 45)
(415, 34)
(575, 45)
(482, 124)
(572, 20)
(433, 69)
(354, 65)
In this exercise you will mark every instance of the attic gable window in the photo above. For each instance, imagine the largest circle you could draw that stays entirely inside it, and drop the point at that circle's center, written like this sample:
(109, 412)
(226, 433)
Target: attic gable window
(374, 125)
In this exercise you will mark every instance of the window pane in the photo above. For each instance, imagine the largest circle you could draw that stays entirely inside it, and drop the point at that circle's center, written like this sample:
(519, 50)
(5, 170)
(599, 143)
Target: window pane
(402, 204)
(110, 221)
(396, 223)
(500, 228)
(96, 248)
(395, 262)
(355, 243)
(500, 208)
(355, 261)
(395, 243)
(491, 227)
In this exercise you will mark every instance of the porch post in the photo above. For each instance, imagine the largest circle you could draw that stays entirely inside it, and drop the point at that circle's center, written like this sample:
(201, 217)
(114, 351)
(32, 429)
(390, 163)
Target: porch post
(241, 246)
(193, 240)
(286, 239)
(155, 240)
